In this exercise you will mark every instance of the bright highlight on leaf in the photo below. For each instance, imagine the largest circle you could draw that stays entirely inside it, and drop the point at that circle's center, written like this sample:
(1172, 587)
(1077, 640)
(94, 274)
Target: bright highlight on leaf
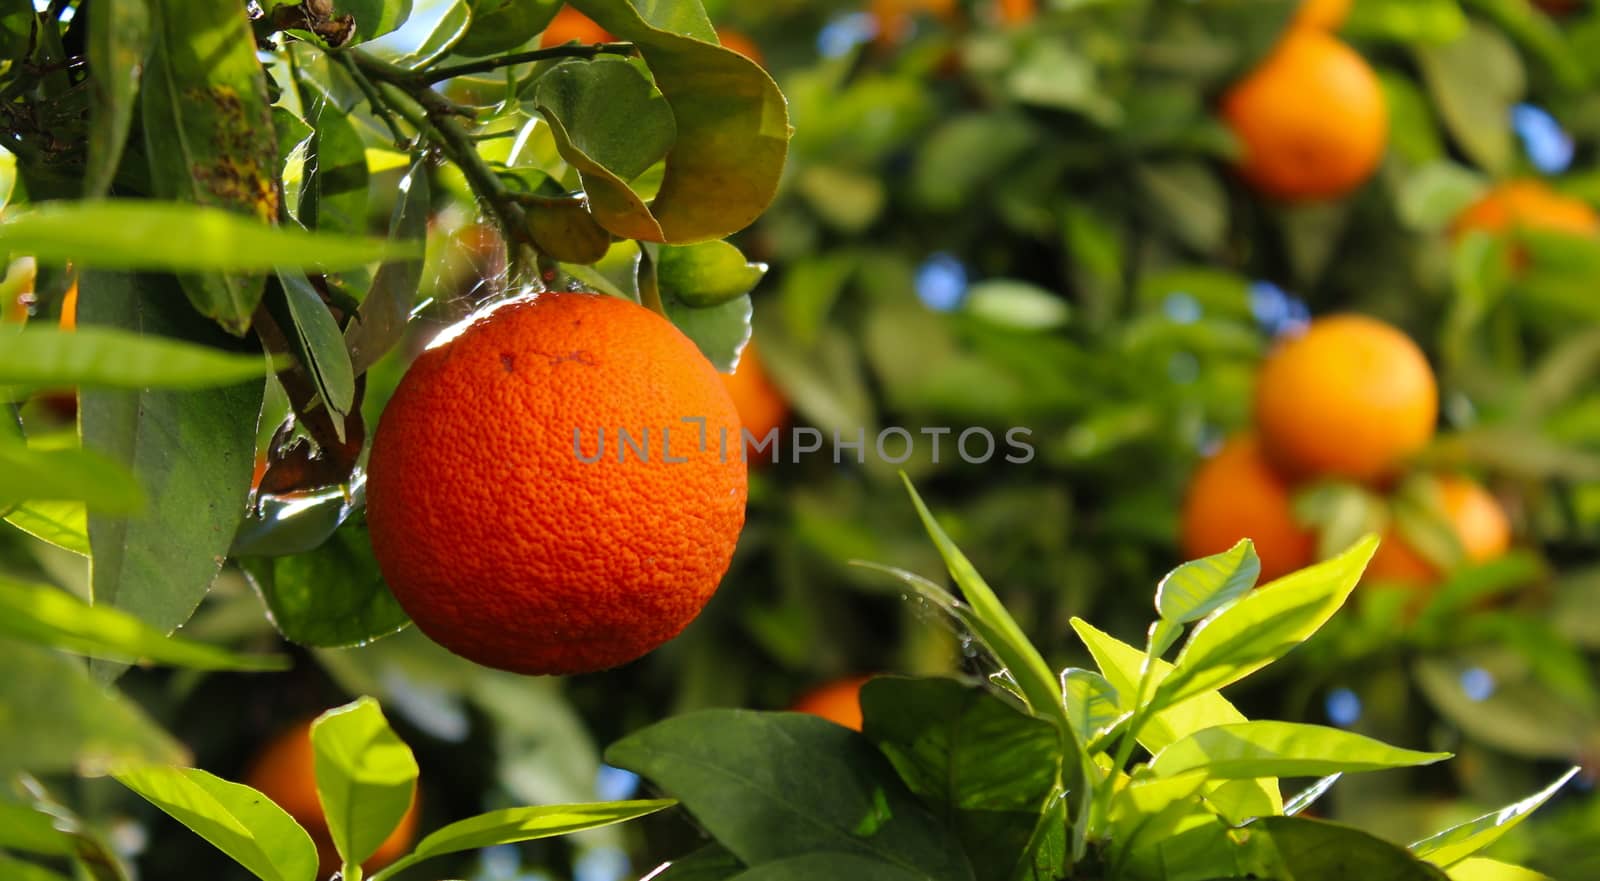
(1248, 750)
(237, 820)
(1459, 842)
(366, 777)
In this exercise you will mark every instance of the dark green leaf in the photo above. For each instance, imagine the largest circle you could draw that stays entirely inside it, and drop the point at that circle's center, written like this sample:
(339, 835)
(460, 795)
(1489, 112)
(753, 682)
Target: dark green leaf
(329, 597)
(709, 863)
(209, 136)
(119, 38)
(237, 820)
(775, 785)
(192, 451)
(366, 777)
(95, 357)
(131, 234)
(71, 475)
(374, 18)
(504, 25)
(1311, 850)
(811, 866)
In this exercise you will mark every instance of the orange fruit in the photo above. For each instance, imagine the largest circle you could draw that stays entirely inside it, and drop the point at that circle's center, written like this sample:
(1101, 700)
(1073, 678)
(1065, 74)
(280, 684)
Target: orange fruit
(572, 26)
(1326, 15)
(1311, 119)
(1527, 204)
(1014, 12)
(284, 772)
(838, 702)
(1235, 494)
(740, 43)
(69, 308)
(1351, 397)
(1477, 519)
(512, 518)
(760, 404)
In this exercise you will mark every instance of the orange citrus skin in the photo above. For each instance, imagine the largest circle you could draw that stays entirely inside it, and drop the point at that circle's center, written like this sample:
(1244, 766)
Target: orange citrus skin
(1325, 15)
(1527, 204)
(739, 42)
(761, 406)
(838, 702)
(500, 542)
(1235, 494)
(572, 26)
(1311, 119)
(1351, 397)
(284, 772)
(1478, 521)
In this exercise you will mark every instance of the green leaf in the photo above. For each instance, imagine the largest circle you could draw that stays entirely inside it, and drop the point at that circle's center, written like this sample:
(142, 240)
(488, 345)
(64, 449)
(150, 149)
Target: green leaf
(366, 777)
(1307, 797)
(565, 230)
(774, 785)
(380, 323)
(811, 866)
(320, 345)
(1316, 851)
(987, 768)
(505, 25)
(63, 524)
(1200, 587)
(98, 357)
(1017, 304)
(48, 616)
(732, 122)
(333, 196)
(85, 727)
(330, 597)
(512, 825)
(119, 39)
(192, 451)
(1148, 811)
(17, 870)
(134, 234)
(1187, 198)
(720, 331)
(71, 475)
(1406, 21)
(1264, 625)
(1092, 703)
(374, 18)
(26, 829)
(1459, 842)
(1474, 81)
(1248, 750)
(709, 863)
(209, 137)
(1123, 665)
(611, 124)
(1484, 869)
(426, 37)
(237, 820)
(707, 274)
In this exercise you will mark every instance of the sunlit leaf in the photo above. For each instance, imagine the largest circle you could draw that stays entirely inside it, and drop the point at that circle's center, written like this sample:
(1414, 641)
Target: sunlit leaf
(366, 777)
(1247, 750)
(1459, 842)
(119, 38)
(1200, 587)
(103, 357)
(237, 820)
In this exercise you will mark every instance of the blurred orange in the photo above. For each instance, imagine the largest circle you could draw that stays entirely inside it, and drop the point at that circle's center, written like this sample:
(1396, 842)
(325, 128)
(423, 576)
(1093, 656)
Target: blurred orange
(572, 26)
(285, 772)
(1235, 494)
(896, 17)
(1527, 204)
(740, 43)
(1311, 119)
(838, 702)
(1477, 519)
(1014, 12)
(761, 405)
(69, 308)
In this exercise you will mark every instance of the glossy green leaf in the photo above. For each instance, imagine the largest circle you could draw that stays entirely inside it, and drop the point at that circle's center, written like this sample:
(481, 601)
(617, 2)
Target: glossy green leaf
(1459, 842)
(1318, 851)
(774, 785)
(984, 766)
(732, 122)
(707, 274)
(380, 323)
(720, 331)
(1264, 625)
(505, 25)
(366, 777)
(331, 596)
(427, 36)
(374, 18)
(1122, 665)
(71, 475)
(1307, 797)
(192, 451)
(333, 196)
(1200, 587)
(119, 38)
(611, 124)
(237, 820)
(1247, 750)
(48, 616)
(73, 724)
(132, 234)
(1474, 80)
(209, 137)
(320, 344)
(512, 825)
(99, 357)
(1485, 869)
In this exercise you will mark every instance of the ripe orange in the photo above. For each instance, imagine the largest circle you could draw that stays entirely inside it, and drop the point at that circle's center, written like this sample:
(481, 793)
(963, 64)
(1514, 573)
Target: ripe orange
(838, 702)
(740, 43)
(284, 772)
(1235, 494)
(1326, 15)
(1350, 397)
(1527, 204)
(1311, 119)
(572, 26)
(495, 535)
(761, 406)
(1477, 519)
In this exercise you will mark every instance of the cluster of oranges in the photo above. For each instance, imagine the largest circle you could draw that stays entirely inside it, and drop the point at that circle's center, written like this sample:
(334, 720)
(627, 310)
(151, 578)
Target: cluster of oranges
(1311, 118)
(1351, 399)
